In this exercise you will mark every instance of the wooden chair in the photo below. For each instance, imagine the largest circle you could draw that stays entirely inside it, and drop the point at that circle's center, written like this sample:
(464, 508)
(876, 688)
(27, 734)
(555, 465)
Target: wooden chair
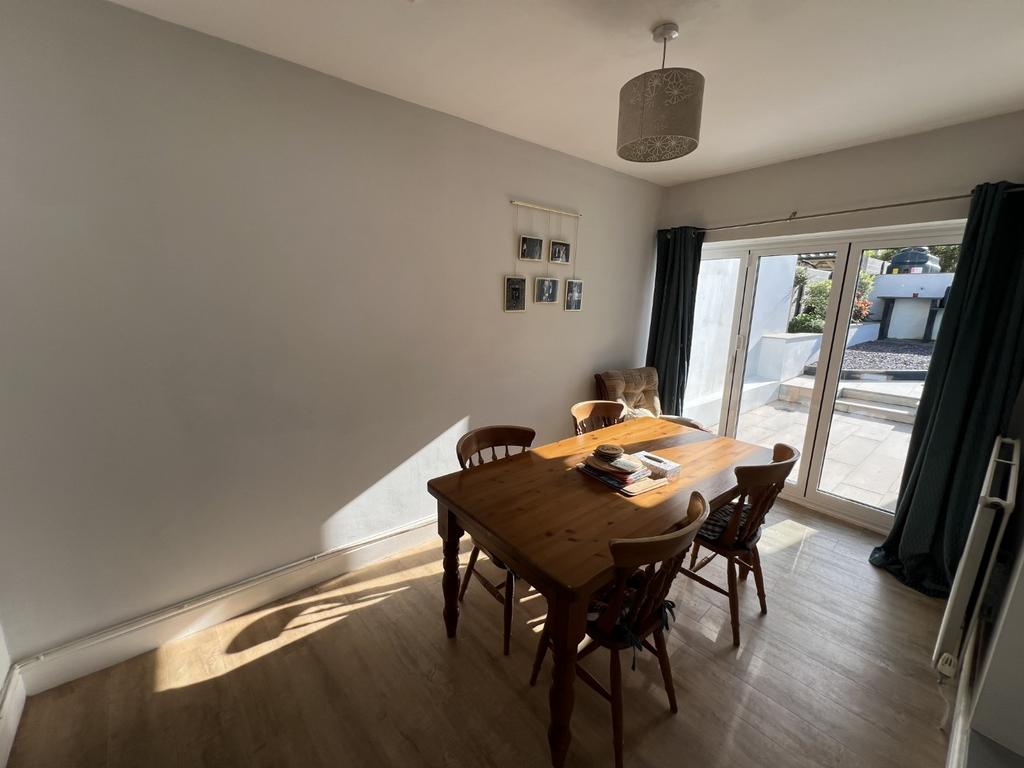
(472, 450)
(734, 529)
(596, 414)
(634, 608)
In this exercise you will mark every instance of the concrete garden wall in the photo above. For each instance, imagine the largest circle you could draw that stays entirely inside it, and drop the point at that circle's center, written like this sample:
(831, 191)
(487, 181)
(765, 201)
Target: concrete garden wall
(912, 296)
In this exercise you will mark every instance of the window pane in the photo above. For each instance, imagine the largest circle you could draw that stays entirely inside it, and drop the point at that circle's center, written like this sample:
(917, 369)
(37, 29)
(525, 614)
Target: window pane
(901, 297)
(712, 340)
(790, 299)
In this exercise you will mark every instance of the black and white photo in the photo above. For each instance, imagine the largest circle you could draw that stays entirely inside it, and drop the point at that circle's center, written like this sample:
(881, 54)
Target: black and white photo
(546, 290)
(559, 253)
(515, 293)
(573, 295)
(531, 248)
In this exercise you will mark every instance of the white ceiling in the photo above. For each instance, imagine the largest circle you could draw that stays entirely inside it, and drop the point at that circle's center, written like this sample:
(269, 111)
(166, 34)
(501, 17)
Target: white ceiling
(785, 78)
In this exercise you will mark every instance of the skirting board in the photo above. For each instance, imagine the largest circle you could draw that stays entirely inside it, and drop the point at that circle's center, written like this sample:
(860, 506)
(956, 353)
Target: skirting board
(12, 702)
(131, 638)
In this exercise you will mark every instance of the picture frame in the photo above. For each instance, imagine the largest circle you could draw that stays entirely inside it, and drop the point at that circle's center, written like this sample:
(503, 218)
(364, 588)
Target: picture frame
(545, 290)
(514, 293)
(559, 252)
(573, 295)
(531, 248)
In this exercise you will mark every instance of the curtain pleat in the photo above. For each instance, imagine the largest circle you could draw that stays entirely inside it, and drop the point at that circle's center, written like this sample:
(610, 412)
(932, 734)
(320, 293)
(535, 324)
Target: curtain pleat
(973, 382)
(675, 294)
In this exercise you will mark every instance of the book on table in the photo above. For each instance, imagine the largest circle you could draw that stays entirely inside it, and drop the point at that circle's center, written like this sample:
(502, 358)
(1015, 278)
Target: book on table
(624, 474)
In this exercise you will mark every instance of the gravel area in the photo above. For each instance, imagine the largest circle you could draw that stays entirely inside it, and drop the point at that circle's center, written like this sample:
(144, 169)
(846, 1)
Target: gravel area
(888, 355)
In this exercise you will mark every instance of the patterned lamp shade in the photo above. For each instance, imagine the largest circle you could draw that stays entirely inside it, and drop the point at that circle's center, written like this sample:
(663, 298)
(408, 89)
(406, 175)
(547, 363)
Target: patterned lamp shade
(659, 115)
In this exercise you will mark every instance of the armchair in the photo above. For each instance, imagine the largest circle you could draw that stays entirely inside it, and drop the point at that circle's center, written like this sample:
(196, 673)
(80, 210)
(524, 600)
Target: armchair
(637, 389)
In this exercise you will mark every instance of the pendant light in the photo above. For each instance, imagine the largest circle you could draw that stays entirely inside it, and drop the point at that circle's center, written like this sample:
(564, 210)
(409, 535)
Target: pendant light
(659, 111)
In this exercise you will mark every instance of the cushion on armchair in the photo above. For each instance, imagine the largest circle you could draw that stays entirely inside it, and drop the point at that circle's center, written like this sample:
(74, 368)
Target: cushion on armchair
(636, 388)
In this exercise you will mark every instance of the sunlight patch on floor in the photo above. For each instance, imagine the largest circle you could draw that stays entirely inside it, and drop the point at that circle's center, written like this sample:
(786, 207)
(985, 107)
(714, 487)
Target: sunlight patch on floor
(251, 637)
(785, 534)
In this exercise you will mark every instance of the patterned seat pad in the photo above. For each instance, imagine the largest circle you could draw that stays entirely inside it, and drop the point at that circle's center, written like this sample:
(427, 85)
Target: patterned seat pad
(718, 521)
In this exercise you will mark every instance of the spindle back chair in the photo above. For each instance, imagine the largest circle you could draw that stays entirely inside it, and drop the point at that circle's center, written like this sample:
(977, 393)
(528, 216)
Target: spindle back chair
(474, 448)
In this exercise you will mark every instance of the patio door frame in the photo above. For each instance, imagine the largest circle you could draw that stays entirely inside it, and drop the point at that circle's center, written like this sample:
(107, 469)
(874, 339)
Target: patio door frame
(848, 246)
(941, 233)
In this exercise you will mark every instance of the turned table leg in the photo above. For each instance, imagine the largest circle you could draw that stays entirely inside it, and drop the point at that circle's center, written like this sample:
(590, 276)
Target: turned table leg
(450, 531)
(567, 620)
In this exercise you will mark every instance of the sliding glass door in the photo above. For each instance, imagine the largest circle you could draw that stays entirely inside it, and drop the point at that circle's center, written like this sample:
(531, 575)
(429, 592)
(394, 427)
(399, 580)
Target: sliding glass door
(890, 314)
(825, 348)
(774, 377)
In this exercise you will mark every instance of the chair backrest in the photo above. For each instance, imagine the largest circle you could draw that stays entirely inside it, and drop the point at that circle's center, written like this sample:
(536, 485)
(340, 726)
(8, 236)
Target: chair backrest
(633, 387)
(645, 569)
(759, 486)
(473, 446)
(595, 414)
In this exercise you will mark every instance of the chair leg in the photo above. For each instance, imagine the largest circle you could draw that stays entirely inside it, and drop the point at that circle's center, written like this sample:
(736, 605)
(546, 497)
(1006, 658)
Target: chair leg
(666, 669)
(693, 555)
(469, 572)
(616, 681)
(542, 649)
(759, 579)
(510, 599)
(734, 603)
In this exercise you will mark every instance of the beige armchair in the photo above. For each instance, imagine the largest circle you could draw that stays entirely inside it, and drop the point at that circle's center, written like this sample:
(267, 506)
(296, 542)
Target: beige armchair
(637, 389)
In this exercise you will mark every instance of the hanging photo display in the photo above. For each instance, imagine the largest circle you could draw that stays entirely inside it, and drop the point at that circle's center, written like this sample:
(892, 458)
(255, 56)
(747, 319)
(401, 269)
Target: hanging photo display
(515, 293)
(545, 290)
(531, 248)
(562, 248)
(573, 295)
(559, 253)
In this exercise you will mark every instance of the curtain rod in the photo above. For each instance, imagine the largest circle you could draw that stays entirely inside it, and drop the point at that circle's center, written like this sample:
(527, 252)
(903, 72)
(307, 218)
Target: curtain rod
(799, 217)
(524, 204)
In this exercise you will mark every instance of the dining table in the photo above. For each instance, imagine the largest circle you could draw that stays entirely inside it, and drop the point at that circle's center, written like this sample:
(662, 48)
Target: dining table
(551, 524)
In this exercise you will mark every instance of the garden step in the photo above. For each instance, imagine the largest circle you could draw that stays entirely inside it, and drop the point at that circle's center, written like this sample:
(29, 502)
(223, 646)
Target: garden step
(873, 396)
(905, 414)
(798, 392)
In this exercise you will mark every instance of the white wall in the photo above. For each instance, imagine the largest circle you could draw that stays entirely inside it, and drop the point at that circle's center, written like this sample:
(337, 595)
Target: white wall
(712, 339)
(773, 298)
(245, 309)
(931, 286)
(948, 161)
(909, 318)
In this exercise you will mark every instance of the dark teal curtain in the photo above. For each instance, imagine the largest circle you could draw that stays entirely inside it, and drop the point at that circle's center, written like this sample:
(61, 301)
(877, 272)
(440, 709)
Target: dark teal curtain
(973, 380)
(675, 293)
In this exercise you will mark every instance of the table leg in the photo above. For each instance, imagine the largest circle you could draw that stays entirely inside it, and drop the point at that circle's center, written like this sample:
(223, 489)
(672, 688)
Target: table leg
(450, 531)
(568, 621)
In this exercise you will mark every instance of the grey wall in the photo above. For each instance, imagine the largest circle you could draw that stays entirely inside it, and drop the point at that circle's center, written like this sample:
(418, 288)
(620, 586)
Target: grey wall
(245, 309)
(948, 161)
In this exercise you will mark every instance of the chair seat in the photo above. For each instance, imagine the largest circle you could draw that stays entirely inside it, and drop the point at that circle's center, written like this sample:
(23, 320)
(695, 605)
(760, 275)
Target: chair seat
(619, 637)
(718, 521)
(495, 561)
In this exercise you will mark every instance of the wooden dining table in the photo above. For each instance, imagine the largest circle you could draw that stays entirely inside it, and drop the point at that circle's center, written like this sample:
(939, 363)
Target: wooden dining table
(551, 525)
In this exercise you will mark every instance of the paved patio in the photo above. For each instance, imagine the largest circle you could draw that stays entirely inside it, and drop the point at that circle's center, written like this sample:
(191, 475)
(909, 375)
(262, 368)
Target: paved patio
(864, 459)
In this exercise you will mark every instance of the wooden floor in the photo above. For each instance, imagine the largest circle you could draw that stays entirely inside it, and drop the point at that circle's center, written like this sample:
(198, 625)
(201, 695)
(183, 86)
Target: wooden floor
(358, 672)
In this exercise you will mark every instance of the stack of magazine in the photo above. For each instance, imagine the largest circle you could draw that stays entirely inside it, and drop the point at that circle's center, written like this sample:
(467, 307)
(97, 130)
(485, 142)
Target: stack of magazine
(623, 472)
